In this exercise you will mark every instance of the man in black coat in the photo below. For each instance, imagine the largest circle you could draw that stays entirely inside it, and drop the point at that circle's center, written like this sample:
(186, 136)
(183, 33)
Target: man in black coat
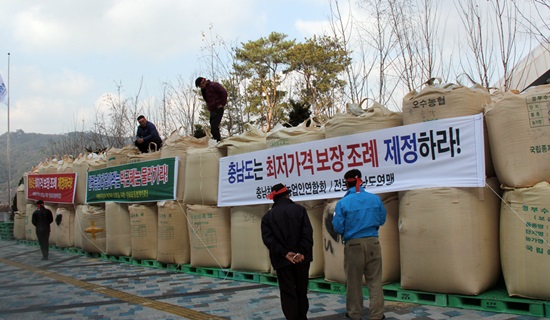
(287, 233)
(41, 219)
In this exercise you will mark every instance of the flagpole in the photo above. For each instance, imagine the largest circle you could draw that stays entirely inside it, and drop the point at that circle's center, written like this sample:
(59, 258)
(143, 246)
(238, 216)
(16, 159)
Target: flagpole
(8, 143)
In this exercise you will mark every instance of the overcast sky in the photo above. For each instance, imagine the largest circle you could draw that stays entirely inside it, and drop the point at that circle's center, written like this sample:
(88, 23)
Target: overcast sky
(66, 54)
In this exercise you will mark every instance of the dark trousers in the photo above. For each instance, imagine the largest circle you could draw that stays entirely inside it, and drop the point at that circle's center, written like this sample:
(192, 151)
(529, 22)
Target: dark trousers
(43, 239)
(144, 147)
(293, 281)
(215, 120)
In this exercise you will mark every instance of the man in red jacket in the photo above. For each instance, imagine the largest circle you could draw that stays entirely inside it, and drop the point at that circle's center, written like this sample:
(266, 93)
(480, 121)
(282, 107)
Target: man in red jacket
(215, 96)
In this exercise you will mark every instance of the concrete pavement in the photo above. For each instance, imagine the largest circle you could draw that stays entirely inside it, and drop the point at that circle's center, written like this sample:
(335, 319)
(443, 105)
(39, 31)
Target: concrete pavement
(75, 286)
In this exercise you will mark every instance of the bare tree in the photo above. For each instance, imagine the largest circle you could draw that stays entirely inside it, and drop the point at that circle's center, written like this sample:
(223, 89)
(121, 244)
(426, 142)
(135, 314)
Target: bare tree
(357, 73)
(182, 104)
(538, 28)
(218, 59)
(415, 27)
(118, 122)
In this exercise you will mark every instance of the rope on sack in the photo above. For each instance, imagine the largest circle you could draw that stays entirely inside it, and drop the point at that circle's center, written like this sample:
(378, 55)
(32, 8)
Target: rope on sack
(200, 239)
(189, 222)
(518, 215)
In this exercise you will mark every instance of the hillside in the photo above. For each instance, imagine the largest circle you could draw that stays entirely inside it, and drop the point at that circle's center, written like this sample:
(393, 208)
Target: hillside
(26, 150)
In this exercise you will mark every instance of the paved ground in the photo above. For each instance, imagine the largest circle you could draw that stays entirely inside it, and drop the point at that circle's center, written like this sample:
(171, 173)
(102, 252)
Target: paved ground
(71, 286)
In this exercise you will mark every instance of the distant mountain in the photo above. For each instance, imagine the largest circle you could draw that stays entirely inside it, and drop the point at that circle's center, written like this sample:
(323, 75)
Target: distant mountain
(26, 151)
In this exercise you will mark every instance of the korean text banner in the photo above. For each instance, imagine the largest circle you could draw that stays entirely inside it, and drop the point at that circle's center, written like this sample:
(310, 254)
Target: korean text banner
(54, 188)
(441, 153)
(147, 181)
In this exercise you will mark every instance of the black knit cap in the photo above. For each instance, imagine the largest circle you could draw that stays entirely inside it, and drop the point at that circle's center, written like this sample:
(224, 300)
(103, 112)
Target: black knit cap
(39, 202)
(198, 81)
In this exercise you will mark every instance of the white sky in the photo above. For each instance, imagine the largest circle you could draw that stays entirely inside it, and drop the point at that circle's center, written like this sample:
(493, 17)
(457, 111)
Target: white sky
(65, 54)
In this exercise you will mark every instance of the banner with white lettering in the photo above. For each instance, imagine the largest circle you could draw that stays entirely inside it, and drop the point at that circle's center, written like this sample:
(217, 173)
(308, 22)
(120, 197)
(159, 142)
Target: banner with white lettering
(440, 153)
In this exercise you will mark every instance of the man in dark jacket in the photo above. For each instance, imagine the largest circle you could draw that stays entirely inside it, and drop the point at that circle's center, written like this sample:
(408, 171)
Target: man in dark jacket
(146, 133)
(287, 233)
(215, 96)
(41, 219)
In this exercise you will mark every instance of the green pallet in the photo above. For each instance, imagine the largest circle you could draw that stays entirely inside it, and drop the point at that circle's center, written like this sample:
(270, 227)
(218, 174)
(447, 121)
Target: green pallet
(268, 278)
(74, 250)
(125, 259)
(148, 263)
(321, 285)
(498, 300)
(111, 257)
(547, 309)
(238, 275)
(28, 242)
(208, 272)
(394, 292)
(108, 257)
(92, 254)
(160, 265)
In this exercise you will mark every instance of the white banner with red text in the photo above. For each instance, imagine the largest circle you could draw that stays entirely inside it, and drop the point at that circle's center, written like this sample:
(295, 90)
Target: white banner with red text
(440, 153)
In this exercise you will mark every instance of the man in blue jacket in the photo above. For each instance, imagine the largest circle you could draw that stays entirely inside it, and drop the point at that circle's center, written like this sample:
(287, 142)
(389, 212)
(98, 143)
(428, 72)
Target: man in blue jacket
(288, 235)
(146, 133)
(357, 217)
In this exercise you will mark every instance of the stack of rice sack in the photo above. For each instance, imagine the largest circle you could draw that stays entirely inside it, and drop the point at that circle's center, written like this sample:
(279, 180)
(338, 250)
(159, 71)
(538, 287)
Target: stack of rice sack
(248, 253)
(64, 221)
(90, 224)
(519, 130)
(19, 218)
(19, 225)
(375, 117)
(86, 214)
(64, 216)
(307, 131)
(48, 167)
(449, 236)
(173, 245)
(144, 230)
(117, 216)
(119, 156)
(118, 231)
(30, 231)
(209, 225)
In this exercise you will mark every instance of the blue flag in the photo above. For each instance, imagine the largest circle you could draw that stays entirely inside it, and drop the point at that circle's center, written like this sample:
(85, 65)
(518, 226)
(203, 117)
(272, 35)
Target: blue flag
(3, 91)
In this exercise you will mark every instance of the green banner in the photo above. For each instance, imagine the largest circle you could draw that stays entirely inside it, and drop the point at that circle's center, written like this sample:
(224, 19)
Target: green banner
(147, 181)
